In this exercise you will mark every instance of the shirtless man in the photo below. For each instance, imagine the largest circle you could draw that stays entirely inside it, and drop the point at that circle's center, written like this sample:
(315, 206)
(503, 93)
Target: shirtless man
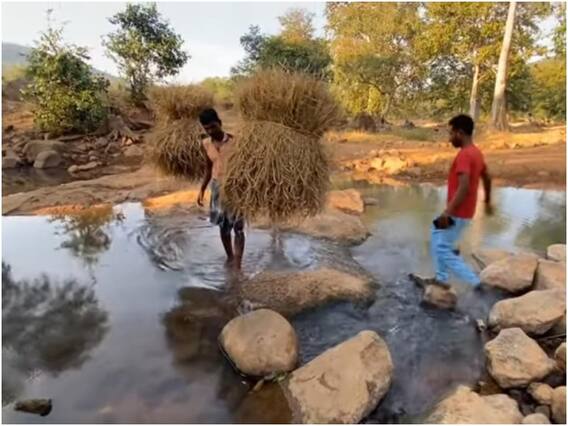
(217, 148)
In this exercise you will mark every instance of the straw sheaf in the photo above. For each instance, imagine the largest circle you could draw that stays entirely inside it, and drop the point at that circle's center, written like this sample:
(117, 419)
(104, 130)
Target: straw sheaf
(175, 148)
(275, 171)
(179, 102)
(294, 100)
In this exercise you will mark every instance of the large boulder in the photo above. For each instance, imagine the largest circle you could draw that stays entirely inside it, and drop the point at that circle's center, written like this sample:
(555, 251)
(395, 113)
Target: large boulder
(560, 356)
(559, 405)
(260, 343)
(515, 360)
(541, 393)
(292, 292)
(330, 224)
(47, 160)
(535, 312)
(556, 252)
(536, 419)
(347, 200)
(466, 406)
(35, 147)
(342, 385)
(487, 256)
(550, 275)
(513, 274)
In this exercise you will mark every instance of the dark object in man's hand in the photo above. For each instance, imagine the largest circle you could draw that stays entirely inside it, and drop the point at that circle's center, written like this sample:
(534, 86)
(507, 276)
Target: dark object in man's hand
(443, 222)
(34, 406)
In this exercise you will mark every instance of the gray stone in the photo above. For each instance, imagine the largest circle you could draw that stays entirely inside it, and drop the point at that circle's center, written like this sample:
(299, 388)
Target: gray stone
(513, 274)
(536, 419)
(556, 252)
(47, 160)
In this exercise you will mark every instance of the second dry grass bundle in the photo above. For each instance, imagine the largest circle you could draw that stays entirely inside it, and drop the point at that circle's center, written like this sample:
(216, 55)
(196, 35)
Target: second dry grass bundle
(175, 143)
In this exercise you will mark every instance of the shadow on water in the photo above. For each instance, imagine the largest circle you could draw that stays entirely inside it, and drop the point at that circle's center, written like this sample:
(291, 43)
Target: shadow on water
(163, 296)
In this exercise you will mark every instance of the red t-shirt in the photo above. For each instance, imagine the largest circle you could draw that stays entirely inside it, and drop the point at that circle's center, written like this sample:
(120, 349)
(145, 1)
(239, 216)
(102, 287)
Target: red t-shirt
(470, 161)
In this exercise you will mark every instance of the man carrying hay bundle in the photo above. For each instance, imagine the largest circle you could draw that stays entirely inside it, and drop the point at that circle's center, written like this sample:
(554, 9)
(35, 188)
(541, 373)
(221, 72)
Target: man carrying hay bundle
(217, 148)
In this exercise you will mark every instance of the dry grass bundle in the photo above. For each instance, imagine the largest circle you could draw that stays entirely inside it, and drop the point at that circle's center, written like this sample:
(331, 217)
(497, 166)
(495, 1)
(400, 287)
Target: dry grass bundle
(294, 100)
(275, 171)
(180, 102)
(175, 148)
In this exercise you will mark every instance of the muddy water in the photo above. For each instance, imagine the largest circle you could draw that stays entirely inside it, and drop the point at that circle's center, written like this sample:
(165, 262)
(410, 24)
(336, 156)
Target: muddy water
(116, 319)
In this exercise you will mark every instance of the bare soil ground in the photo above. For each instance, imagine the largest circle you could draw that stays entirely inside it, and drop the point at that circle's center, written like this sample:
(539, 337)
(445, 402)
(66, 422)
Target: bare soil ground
(528, 156)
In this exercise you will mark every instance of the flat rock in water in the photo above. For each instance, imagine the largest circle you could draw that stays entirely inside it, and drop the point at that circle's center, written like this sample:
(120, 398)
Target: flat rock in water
(536, 419)
(347, 200)
(558, 406)
(260, 343)
(550, 275)
(560, 356)
(10, 161)
(487, 256)
(343, 384)
(47, 160)
(35, 147)
(513, 274)
(440, 297)
(556, 252)
(541, 393)
(292, 292)
(41, 407)
(515, 360)
(535, 312)
(466, 406)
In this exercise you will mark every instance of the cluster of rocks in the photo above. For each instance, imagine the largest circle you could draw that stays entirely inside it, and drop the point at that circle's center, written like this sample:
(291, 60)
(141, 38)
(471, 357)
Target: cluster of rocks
(262, 343)
(77, 153)
(383, 162)
(518, 364)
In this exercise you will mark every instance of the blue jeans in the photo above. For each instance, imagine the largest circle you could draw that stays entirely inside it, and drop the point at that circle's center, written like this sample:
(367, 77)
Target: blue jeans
(442, 244)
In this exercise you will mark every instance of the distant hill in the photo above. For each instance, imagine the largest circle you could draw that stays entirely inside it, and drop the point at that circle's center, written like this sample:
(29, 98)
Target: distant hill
(14, 54)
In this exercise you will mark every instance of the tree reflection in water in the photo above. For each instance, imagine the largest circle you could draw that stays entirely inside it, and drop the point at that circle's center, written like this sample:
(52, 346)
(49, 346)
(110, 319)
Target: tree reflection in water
(87, 231)
(47, 326)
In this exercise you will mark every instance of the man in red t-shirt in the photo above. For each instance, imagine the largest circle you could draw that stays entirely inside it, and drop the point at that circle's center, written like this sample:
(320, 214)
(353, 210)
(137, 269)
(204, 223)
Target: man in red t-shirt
(463, 181)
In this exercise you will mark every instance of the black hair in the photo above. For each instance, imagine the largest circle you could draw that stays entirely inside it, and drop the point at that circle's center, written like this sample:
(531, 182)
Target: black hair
(208, 116)
(464, 123)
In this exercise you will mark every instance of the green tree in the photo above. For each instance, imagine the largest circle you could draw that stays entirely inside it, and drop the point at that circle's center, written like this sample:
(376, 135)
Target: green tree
(559, 36)
(549, 88)
(222, 87)
(144, 47)
(297, 26)
(372, 45)
(252, 42)
(65, 93)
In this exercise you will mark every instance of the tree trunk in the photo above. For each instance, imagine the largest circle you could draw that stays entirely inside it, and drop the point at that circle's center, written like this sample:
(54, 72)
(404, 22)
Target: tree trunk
(386, 109)
(499, 108)
(474, 95)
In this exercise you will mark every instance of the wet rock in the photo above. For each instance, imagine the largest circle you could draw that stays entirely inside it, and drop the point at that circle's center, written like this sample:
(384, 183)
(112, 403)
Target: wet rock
(133, 151)
(487, 256)
(560, 356)
(513, 274)
(35, 147)
(370, 201)
(535, 419)
(292, 292)
(260, 343)
(535, 312)
(515, 360)
(466, 406)
(443, 298)
(84, 167)
(41, 407)
(556, 252)
(544, 410)
(550, 275)
(342, 385)
(541, 393)
(347, 200)
(47, 160)
(558, 406)
(331, 224)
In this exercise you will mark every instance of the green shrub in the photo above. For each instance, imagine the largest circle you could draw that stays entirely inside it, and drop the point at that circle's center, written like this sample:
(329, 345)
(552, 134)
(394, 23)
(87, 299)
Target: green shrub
(65, 93)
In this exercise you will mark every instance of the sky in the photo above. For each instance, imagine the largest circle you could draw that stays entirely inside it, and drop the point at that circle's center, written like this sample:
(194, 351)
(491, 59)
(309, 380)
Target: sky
(211, 30)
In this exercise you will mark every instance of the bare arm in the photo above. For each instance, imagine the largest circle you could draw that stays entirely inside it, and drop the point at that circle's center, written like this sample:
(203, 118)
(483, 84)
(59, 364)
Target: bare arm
(207, 177)
(461, 193)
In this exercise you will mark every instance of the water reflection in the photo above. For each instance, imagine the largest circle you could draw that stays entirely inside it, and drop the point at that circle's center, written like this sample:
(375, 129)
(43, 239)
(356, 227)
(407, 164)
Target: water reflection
(550, 221)
(46, 327)
(86, 231)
